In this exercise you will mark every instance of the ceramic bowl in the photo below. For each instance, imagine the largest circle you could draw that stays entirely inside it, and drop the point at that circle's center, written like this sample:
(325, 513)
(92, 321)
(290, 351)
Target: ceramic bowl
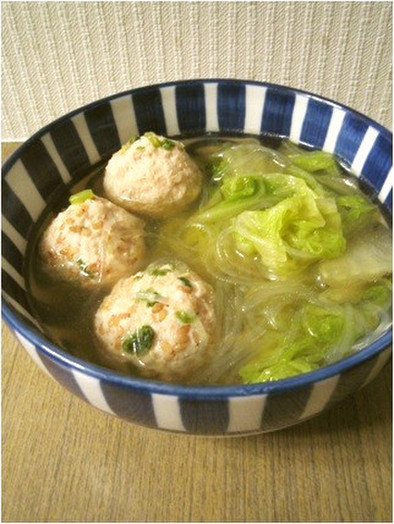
(69, 147)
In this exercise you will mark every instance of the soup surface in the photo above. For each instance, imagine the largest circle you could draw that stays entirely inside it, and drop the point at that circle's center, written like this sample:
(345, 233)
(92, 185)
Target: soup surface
(298, 256)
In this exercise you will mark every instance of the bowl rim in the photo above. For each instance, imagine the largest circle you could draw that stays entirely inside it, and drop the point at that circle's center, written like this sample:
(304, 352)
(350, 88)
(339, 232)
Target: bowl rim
(213, 392)
(189, 82)
(207, 392)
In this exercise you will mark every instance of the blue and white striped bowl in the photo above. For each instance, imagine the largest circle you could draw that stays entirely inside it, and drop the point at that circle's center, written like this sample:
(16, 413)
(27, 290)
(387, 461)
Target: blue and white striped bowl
(69, 147)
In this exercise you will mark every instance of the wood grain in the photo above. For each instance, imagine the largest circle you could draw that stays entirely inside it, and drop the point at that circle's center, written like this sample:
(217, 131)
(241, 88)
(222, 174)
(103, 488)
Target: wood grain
(66, 461)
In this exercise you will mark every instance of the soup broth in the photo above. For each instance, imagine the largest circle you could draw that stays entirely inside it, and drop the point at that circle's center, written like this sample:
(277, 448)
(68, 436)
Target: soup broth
(296, 251)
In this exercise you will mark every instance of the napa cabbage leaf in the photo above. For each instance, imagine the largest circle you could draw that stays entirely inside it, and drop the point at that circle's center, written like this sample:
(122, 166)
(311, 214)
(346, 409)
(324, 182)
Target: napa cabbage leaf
(367, 258)
(234, 195)
(319, 334)
(313, 161)
(356, 211)
(293, 233)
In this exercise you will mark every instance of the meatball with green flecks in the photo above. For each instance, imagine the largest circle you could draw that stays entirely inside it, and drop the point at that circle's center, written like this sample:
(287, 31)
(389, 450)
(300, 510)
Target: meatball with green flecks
(162, 320)
(152, 176)
(93, 241)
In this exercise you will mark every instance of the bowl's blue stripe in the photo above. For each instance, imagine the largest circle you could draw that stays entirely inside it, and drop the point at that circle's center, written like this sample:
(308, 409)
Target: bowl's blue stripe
(14, 290)
(284, 409)
(23, 313)
(351, 380)
(62, 374)
(350, 137)
(209, 418)
(149, 111)
(102, 127)
(15, 212)
(231, 107)
(388, 202)
(134, 406)
(316, 123)
(11, 253)
(278, 112)
(378, 162)
(70, 147)
(41, 168)
(190, 108)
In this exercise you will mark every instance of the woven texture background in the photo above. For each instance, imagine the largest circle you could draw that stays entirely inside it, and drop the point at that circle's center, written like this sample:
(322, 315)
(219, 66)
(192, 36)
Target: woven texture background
(57, 56)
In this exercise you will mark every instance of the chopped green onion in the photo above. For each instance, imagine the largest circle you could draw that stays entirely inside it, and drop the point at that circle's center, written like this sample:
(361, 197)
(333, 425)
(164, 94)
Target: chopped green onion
(84, 268)
(153, 138)
(185, 317)
(161, 271)
(130, 141)
(82, 196)
(150, 296)
(139, 342)
(167, 144)
(185, 281)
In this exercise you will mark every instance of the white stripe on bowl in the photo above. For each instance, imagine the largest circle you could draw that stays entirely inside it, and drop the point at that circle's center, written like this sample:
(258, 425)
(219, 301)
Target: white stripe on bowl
(22, 185)
(387, 185)
(364, 150)
(91, 389)
(254, 107)
(13, 273)
(167, 412)
(30, 348)
(320, 395)
(298, 117)
(124, 116)
(82, 128)
(13, 235)
(211, 107)
(53, 153)
(15, 304)
(334, 129)
(168, 99)
(245, 413)
(380, 362)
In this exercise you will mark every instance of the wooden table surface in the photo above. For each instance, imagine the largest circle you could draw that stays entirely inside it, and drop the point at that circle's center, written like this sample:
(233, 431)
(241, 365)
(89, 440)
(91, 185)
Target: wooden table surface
(64, 461)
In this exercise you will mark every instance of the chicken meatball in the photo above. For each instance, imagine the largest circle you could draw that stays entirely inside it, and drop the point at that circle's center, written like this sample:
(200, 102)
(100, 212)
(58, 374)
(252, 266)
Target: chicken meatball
(162, 320)
(152, 176)
(93, 241)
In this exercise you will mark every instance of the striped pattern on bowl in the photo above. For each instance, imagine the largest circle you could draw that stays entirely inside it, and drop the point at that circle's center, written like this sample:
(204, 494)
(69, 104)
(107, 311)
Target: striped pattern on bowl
(71, 146)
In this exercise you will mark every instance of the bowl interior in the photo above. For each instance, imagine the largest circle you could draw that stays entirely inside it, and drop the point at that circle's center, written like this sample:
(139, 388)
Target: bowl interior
(71, 146)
